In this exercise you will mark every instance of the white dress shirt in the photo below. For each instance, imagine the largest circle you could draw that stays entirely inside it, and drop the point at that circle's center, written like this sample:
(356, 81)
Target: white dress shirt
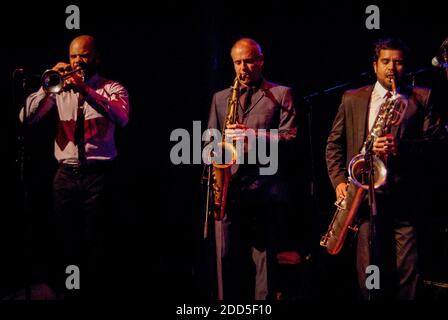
(108, 97)
(379, 95)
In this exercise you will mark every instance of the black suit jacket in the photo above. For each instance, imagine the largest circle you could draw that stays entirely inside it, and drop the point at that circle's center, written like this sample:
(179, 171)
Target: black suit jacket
(415, 135)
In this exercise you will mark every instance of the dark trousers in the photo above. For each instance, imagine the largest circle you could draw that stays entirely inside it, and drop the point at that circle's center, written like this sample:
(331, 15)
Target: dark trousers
(79, 208)
(251, 226)
(395, 252)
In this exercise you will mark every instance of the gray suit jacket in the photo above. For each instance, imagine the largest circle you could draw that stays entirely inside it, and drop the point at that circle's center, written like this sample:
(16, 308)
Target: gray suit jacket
(272, 108)
(419, 128)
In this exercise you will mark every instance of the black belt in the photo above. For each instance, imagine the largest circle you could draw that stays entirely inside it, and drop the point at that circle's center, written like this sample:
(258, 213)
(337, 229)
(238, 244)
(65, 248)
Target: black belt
(87, 167)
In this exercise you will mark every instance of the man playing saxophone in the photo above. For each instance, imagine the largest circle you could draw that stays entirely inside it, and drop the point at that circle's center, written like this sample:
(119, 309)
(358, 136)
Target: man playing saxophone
(256, 204)
(401, 149)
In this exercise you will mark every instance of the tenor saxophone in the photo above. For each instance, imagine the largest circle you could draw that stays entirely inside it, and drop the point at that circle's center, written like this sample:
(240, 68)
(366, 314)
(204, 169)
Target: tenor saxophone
(344, 220)
(222, 171)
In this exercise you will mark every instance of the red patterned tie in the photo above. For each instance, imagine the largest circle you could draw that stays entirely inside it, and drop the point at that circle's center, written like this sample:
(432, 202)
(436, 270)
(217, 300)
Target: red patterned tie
(79, 130)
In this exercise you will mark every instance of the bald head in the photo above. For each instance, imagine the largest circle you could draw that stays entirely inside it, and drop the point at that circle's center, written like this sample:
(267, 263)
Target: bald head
(248, 44)
(247, 61)
(83, 53)
(85, 42)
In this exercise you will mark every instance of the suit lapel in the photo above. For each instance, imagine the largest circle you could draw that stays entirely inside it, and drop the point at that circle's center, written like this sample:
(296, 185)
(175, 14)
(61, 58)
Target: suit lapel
(360, 116)
(407, 92)
(258, 95)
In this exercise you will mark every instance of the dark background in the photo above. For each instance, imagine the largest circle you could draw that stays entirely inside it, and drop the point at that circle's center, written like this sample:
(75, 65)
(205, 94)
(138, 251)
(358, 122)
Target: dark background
(172, 58)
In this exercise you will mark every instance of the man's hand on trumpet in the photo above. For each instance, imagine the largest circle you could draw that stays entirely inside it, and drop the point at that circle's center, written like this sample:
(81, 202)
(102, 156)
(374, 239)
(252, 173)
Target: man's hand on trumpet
(76, 82)
(62, 67)
(73, 81)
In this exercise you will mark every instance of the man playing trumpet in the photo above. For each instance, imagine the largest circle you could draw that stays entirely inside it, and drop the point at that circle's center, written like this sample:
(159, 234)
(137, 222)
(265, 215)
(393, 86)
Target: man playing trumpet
(89, 108)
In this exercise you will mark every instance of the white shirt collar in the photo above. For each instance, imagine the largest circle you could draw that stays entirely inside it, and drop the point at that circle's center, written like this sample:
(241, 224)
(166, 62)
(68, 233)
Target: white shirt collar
(379, 90)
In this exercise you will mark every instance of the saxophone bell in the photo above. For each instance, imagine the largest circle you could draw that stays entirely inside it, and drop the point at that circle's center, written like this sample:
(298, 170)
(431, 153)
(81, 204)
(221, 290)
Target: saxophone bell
(357, 171)
(226, 153)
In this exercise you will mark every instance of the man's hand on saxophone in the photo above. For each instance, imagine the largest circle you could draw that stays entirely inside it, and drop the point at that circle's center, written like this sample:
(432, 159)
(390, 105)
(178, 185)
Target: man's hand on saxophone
(385, 145)
(237, 132)
(341, 190)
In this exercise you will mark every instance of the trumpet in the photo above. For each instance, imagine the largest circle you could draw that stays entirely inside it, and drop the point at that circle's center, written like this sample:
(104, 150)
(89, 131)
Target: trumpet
(53, 81)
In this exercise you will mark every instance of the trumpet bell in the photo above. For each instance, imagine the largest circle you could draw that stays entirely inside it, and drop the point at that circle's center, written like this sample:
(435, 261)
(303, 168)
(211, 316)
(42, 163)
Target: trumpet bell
(52, 81)
(357, 171)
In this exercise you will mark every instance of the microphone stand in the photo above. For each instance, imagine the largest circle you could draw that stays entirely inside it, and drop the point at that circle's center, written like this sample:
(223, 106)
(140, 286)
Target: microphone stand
(17, 100)
(373, 213)
(216, 235)
(208, 207)
(309, 107)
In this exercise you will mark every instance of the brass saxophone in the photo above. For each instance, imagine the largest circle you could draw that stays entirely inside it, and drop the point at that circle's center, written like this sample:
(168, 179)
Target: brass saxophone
(222, 174)
(391, 114)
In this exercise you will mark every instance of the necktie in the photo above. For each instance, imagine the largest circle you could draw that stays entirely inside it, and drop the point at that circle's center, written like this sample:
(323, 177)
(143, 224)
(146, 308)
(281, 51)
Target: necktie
(79, 130)
(248, 98)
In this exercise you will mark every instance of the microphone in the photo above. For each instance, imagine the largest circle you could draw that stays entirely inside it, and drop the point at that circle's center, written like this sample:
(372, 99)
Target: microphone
(436, 63)
(20, 71)
(441, 59)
